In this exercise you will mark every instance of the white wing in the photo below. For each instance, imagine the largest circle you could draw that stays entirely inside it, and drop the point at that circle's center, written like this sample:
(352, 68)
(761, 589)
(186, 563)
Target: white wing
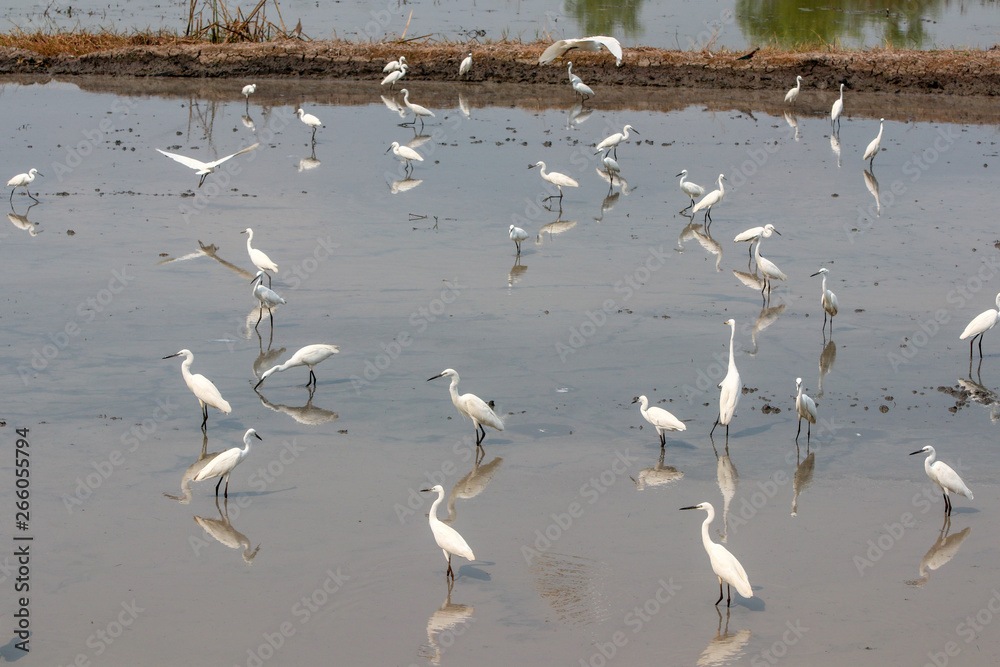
(184, 160)
(221, 160)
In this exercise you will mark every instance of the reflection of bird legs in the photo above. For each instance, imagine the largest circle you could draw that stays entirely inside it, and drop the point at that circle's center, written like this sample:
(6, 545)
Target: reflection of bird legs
(713, 439)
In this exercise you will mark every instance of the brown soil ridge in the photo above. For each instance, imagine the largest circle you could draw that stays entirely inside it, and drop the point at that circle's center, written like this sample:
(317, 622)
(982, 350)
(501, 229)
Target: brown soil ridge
(951, 72)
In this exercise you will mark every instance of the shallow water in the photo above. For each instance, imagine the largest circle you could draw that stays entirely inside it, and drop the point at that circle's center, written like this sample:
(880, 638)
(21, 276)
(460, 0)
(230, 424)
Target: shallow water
(575, 563)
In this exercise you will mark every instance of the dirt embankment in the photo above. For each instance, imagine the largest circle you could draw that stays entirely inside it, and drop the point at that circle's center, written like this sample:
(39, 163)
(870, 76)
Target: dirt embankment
(884, 71)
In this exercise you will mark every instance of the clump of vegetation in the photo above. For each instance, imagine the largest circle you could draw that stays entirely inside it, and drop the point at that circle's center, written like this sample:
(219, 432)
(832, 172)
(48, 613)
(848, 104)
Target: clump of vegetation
(218, 23)
(78, 43)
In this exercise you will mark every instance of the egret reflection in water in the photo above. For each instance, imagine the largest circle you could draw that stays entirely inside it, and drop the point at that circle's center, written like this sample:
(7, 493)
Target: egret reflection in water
(553, 228)
(204, 458)
(980, 393)
(224, 533)
(699, 233)
(767, 317)
(942, 551)
(658, 475)
(872, 184)
(726, 647)
(835, 146)
(447, 617)
(793, 122)
(728, 480)
(308, 414)
(803, 476)
(826, 360)
(516, 272)
(210, 251)
(470, 486)
(22, 222)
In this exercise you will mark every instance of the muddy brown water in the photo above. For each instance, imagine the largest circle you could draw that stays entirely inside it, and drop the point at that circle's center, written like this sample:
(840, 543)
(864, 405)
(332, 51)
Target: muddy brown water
(114, 269)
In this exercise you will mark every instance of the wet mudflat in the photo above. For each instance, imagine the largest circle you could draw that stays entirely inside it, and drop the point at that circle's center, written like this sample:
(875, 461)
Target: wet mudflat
(125, 261)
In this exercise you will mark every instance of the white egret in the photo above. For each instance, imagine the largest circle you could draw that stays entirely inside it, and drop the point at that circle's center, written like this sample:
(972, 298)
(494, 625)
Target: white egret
(249, 90)
(793, 93)
(450, 541)
(710, 200)
(982, 323)
(754, 234)
(692, 190)
(555, 178)
(471, 406)
(203, 388)
(308, 356)
(872, 149)
(405, 154)
(517, 235)
(611, 143)
(663, 420)
(223, 465)
(258, 258)
(392, 77)
(724, 564)
(466, 65)
(731, 386)
(611, 167)
(582, 89)
(944, 476)
(836, 109)
(203, 169)
(418, 111)
(394, 65)
(767, 268)
(828, 300)
(268, 298)
(806, 407)
(559, 48)
(573, 78)
(24, 180)
(309, 119)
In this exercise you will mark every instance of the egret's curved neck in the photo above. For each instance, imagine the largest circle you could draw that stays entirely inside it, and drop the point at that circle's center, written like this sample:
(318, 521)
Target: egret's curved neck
(824, 285)
(929, 461)
(433, 514)
(186, 365)
(705, 539)
(722, 188)
(453, 388)
(249, 238)
(732, 358)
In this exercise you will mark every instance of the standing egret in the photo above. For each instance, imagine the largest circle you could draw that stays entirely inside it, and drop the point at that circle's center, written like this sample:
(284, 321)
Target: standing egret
(755, 234)
(268, 298)
(611, 143)
(573, 78)
(710, 200)
(983, 322)
(466, 65)
(583, 90)
(692, 190)
(838, 107)
(308, 356)
(663, 421)
(731, 386)
(392, 77)
(557, 179)
(872, 149)
(724, 564)
(24, 180)
(768, 269)
(944, 476)
(223, 465)
(310, 120)
(249, 90)
(517, 235)
(828, 300)
(471, 406)
(203, 388)
(806, 407)
(405, 154)
(418, 111)
(203, 169)
(559, 48)
(793, 93)
(450, 541)
(258, 258)
(394, 65)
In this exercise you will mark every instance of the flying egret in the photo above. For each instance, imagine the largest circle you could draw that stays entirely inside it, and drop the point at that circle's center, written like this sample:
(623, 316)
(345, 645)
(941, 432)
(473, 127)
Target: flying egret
(203, 169)
(983, 322)
(223, 465)
(944, 476)
(392, 77)
(405, 154)
(793, 93)
(517, 235)
(447, 538)
(838, 107)
(559, 48)
(203, 389)
(258, 258)
(692, 190)
(309, 119)
(308, 356)
(585, 91)
(24, 180)
(394, 65)
(466, 65)
(724, 564)
(471, 406)
(754, 234)
(268, 298)
(767, 268)
(555, 178)
(731, 386)
(418, 111)
(710, 200)
(806, 407)
(663, 421)
(573, 78)
(828, 300)
(872, 149)
(611, 143)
